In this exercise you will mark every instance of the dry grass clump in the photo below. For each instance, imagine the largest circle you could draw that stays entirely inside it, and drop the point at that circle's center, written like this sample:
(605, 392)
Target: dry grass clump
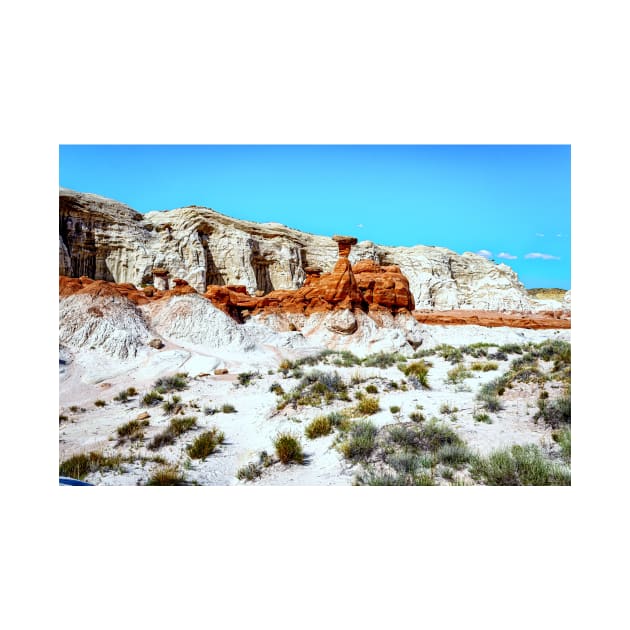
(132, 430)
(152, 398)
(167, 476)
(417, 373)
(249, 472)
(79, 466)
(316, 388)
(318, 427)
(228, 408)
(458, 374)
(172, 406)
(167, 384)
(360, 441)
(176, 427)
(288, 448)
(206, 443)
(368, 406)
(484, 366)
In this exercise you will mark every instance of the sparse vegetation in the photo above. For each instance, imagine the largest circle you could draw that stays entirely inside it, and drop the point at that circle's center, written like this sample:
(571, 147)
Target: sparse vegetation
(167, 384)
(314, 389)
(152, 398)
(228, 408)
(99, 403)
(519, 466)
(395, 409)
(79, 466)
(482, 417)
(132, 430)
(319, 426)
(249, 472)
(371, 389)
(458, 374)
(383, 360)
(167, 476)
(172, 406)
(245, 378)
(288, 448)
(416, 416)
(368, 406)
(360, 441)
(556, 413)
(205, 443)
(563, 439)
(176, 427)
(486, 366)
(418, 370)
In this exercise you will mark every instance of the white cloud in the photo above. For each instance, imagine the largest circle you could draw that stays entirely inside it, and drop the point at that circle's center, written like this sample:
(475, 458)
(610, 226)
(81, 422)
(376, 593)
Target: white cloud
(507, 256)
(542, 256)
(360, 225)
(485, 253)
(539, 234)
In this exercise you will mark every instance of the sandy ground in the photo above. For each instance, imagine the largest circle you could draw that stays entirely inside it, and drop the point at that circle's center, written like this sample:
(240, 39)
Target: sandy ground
(87, 377)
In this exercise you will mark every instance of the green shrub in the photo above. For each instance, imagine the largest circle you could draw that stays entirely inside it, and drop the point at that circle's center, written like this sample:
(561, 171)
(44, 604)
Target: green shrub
(132, 430)
(361, 440)
(368, 406)
(171, 406)
(276, 388)
(371, 389)
(245, 378)
(519, 466)
(152, 398)
(178, 426)
(205, 443)
(395, 409)
(79, 466)
(458, 374)
(454, 454)
(319, 426)
(482, 417)
(416, 416)
(249, 472)
(288, 448)
(132, 391)
(449, 353)
(563, 439)
(555, 413)
(168, 384)
(446, 409)
(122, 397)
(228, 409)
(383, 360)
(418, 370)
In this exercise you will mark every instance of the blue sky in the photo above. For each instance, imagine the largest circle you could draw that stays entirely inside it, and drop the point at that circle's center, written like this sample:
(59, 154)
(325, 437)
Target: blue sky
(511, 203)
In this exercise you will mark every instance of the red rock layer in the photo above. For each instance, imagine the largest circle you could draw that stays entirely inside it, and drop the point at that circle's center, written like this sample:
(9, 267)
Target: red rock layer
(535, 321)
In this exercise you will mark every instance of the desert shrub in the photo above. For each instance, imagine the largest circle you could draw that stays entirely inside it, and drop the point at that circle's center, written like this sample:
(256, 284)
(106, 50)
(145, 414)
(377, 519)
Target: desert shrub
(394, 409)
(245, 378)
(403, 436)
(490, 402)
(345, 358)
(405, 462)
(487, 366)
(498, 356)
(171, 406)
(446, 409)
(449, 353)
(209, 411)
(361, 440)
(264, 459)
(368, 406)
(433, 435)
(73, 409)
(391, 385)
(167, 476)
(249, 472)
(319, 426)
(563, 438)
(205, 443)
(132, 391)
(122, 396)
(79, 466)
(288, 448)
(477, 350)
(371, 477)
(152, 398)
(454, 454)
(132, 430)
(416, 416)
(511, 348)
(359, 395)
(418, 370)
(519, 466)
(555, 413)
(99, 403)
(63, 418)
(458, 374)
(167, 384)
(482, 417)
(371, 389)
(178, 426)
(228, 408)
(383, 360)
(276, 388)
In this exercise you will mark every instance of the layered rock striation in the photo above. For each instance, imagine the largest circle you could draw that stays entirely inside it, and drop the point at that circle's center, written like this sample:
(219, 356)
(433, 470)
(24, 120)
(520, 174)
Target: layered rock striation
(106, 240)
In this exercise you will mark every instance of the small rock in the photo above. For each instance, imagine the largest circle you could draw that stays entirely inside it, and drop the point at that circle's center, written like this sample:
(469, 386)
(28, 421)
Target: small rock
(219, 371)
(156, 343)
(143, 416)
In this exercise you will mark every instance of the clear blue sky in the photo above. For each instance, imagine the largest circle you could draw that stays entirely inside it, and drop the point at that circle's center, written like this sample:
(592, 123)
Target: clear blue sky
(513, 203)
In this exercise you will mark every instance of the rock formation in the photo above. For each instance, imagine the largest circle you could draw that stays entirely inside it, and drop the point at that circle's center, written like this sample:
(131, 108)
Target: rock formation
(106, 240)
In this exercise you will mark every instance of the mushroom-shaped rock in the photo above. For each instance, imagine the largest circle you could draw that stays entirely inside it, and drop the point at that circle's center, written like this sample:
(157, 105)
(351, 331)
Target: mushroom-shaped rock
(345, 244)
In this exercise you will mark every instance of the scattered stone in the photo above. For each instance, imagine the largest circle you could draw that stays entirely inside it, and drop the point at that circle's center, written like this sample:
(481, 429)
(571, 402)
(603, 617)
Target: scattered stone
(220, 371)
(156, 343)
(143, 416)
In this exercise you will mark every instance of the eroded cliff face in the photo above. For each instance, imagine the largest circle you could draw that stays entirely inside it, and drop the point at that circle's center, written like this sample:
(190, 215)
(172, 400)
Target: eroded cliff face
(104, 239)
